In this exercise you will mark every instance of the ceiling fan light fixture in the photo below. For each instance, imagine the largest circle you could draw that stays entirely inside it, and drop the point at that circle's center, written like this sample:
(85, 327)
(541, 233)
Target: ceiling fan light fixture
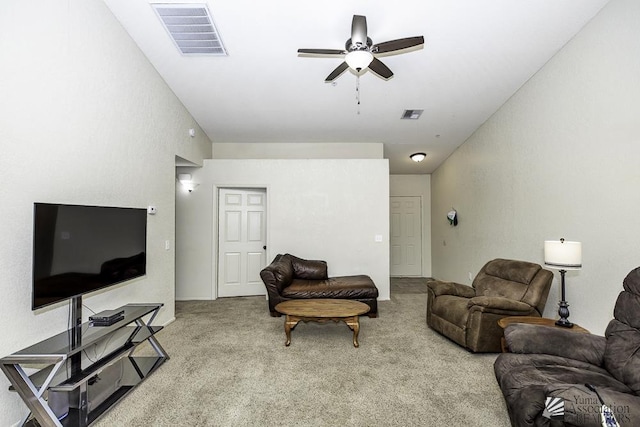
(358, 59)
(418, 157)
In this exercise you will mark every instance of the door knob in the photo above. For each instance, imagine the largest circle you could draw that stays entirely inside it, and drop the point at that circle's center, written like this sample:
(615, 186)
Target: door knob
(264, 247)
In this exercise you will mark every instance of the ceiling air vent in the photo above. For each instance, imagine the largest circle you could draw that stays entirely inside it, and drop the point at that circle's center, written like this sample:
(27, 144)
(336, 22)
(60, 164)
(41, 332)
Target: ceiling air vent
(411, 114)
(191, 28)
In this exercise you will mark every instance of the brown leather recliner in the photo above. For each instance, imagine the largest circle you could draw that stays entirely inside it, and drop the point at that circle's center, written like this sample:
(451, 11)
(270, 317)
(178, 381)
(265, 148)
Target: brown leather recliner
(547, 364)
(469, 315)
(289, 277)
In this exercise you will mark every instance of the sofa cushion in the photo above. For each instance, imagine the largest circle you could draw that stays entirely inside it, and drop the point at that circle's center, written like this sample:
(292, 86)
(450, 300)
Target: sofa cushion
(490, 286)
(505, 278)
(514, 271)
(308, 269)
(347, 287)
(622, 353)
(631, 283)
(627, 309)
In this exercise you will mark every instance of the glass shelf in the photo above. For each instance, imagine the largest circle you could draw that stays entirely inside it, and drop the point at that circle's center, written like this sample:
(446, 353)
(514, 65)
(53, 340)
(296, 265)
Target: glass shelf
(63, 343)
(83, 372)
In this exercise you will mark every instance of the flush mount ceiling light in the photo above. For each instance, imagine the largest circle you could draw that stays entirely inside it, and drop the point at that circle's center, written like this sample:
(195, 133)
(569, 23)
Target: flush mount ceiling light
(191, 28)
(418, 157)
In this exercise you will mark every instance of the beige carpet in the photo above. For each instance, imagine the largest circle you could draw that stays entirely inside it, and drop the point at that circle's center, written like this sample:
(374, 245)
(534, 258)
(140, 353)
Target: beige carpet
(229, 367)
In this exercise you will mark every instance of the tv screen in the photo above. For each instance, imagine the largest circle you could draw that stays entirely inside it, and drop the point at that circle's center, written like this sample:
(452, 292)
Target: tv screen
(79, 249)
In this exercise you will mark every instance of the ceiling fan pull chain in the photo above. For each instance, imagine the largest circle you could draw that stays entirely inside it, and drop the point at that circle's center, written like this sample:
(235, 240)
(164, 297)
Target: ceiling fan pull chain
(358, 91)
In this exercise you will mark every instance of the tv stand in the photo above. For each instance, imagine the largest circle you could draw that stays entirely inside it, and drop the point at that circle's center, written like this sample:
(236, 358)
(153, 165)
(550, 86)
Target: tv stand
(84, 371)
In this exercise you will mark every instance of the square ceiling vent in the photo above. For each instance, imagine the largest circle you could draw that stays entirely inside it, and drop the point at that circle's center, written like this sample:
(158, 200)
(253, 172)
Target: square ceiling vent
(411, 114)
(191, 28)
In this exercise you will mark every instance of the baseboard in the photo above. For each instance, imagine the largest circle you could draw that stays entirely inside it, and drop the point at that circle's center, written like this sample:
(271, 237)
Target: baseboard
(168, 322)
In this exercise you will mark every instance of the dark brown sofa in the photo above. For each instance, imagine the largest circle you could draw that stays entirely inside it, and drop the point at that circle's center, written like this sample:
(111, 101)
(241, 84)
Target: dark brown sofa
(469, 315)
(289, 277)
(546, 362)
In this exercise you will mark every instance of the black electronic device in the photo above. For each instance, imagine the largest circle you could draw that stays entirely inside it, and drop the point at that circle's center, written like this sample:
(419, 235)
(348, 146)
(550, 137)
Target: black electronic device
(79, 249)
(107, 322)
(106, 316)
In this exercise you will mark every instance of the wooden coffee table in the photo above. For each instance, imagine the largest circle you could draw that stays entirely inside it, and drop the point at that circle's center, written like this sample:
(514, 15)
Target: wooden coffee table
(532, 320)
(322, 310)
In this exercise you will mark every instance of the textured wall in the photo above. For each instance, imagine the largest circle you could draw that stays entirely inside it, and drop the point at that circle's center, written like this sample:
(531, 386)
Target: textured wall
(84, 119)
(317, 209)
(559, 159)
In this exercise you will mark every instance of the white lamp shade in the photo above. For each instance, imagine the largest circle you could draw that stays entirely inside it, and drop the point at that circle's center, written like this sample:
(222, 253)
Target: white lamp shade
(358, 59)
(562, 254)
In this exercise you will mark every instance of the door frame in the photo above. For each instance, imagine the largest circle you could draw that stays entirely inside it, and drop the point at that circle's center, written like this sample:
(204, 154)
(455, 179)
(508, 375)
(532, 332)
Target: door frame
(422, 240)
(215, 242)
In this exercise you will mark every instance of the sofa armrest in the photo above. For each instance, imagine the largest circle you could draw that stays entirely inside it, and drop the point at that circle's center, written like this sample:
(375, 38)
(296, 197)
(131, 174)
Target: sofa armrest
(277, 275)
(438, 287)
(525, 338)
(500, 304)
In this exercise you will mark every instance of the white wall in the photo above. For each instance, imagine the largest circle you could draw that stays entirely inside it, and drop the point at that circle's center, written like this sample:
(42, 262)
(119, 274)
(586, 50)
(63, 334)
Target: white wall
(559, 159)
(84, 119)
(420, 186)
(320, 209)
(298, 150)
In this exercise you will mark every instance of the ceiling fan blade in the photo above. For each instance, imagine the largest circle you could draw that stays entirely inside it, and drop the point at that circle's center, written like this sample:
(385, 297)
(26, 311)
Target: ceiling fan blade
(335, 73)
(399, 44)
(359, 30)
(380, 69)
(322, 51)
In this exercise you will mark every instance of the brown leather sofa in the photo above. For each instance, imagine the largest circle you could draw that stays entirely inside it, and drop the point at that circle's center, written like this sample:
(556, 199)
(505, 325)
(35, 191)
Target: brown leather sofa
(289, 277)
(546, 362)
(469, 315)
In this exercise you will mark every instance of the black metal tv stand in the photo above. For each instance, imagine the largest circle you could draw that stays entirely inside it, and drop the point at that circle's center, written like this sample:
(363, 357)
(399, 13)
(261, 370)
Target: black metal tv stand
(84, 371)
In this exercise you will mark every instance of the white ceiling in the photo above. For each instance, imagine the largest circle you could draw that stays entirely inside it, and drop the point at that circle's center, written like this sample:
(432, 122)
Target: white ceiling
(477, 53)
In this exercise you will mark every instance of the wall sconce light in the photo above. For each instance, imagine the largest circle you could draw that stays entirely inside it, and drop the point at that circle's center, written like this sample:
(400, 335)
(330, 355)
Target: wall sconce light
(418, 157)
(452, 216)
(187, 183)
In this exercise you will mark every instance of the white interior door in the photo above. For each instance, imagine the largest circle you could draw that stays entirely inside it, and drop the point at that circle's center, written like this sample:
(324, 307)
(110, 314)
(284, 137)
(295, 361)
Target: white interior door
(241, 241)
(406, 236)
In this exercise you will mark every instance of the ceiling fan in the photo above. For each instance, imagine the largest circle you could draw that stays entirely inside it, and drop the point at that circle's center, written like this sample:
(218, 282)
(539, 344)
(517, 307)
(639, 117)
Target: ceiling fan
(360, 51)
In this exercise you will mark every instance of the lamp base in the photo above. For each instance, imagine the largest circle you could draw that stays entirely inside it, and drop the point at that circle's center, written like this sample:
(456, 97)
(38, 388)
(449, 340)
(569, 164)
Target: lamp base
(564, 323)
(563, 312)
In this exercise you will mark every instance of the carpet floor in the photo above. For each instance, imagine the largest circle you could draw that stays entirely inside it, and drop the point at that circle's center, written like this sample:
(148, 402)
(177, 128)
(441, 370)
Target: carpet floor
(229, 367)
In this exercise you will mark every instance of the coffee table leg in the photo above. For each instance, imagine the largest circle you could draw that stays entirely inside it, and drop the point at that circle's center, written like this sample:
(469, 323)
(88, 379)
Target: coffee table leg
(290, 323)
(354, 324)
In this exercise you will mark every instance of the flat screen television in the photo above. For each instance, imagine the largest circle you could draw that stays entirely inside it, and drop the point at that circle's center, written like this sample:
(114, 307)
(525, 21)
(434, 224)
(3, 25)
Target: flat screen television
(80, 249)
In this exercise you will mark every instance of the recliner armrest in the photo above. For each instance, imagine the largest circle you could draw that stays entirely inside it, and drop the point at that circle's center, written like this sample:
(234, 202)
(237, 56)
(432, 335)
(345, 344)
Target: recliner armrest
(451, 288)
(525, 338)
(501, 304)
(580, 401)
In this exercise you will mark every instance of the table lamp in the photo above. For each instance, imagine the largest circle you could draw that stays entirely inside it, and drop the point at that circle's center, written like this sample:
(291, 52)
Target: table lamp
(563, 255)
